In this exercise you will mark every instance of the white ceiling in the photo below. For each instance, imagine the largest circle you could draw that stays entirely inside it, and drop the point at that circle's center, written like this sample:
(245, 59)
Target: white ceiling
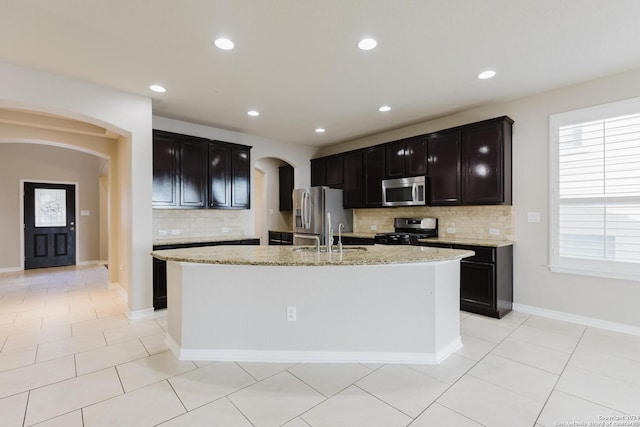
(296, 61)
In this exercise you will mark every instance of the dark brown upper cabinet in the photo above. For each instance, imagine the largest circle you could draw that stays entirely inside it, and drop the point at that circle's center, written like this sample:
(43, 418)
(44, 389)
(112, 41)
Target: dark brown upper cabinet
(406, 157)
(486, 162)
(191, 172)
(285, 187)
(219, 173)
(333, 171)
(317, 171)
(229, 175)
(444, 168)
(352, 179)
(373, 160)
(166, 152)
(466, 165)
(193, 176)
(240, 177)
(471, 165)
(327, 171)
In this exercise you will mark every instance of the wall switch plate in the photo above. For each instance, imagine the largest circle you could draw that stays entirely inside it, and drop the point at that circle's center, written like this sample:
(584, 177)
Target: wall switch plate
(163, 232)
(494, 231)
(225, 229)
(451, 230)
(85, 213)
(374, 227)
(533, 216)
(291, 314)
(175, 231)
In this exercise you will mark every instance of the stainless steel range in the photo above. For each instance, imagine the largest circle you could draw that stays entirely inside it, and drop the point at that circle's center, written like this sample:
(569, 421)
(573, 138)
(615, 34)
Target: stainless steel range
(408, 231)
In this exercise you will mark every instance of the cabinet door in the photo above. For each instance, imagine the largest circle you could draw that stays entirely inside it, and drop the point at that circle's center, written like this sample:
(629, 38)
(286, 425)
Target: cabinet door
(193, 176)
(482, 164)
(477, 284)
(415, 157)
(240, 177)
(333, 171)
(373, 166)
(318, 172)
(219, 171)
(285, 187)
(352, 180)
(159, 284)
(165, 170)
(394, 154)
(444, 168)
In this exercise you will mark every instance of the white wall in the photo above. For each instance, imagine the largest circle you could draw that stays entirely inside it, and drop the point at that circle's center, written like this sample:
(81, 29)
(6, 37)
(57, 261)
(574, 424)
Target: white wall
(534, 285)
(125, 114)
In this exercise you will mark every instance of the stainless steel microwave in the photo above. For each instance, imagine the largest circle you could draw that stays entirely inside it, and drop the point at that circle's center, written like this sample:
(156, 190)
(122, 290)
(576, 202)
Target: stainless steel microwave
(404, 191)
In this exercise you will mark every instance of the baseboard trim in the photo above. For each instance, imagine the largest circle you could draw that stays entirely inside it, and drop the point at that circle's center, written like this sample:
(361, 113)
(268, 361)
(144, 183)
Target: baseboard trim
(575, 318)
(276, 356)
(10, 269)
(147, 313)
(93, 262)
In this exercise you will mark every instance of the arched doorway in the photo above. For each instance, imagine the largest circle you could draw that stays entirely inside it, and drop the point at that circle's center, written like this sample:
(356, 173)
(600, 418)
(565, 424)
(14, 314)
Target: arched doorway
(268, 215)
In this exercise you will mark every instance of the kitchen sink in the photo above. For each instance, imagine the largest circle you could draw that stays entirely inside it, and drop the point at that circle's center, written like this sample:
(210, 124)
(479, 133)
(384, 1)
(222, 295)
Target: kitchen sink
(334, 249)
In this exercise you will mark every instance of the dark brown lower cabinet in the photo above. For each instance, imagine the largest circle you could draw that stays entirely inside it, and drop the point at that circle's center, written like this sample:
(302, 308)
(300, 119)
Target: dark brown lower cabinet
(160, 266)
(352, 240)
(280, 238)
(486, 279)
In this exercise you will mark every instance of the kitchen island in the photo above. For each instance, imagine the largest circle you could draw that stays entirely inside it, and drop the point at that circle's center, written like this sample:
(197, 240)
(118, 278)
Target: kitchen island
(377, 304)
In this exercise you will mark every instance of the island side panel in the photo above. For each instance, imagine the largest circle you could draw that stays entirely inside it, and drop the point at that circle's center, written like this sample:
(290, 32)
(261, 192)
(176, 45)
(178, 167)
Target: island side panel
(356, 313)
(447, 309)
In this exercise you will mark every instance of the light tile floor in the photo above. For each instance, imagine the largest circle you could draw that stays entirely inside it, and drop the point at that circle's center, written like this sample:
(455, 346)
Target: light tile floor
(70, 357)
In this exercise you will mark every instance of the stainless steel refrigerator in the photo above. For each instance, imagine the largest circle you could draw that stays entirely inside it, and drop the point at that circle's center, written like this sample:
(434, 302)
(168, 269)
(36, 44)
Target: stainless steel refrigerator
(310, 208)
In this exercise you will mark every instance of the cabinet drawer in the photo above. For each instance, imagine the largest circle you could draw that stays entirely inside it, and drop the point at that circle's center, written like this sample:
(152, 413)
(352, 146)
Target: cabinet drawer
(483, 254)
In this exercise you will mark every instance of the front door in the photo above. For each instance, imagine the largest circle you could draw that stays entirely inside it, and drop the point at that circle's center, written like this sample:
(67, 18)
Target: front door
(49, 225)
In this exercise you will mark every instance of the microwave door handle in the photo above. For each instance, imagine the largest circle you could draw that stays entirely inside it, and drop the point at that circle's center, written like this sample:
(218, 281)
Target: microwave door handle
(414, 191)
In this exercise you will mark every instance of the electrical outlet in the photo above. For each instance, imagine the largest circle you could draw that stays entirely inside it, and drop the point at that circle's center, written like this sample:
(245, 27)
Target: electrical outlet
(451, 230)
(85, 213)
(494, 231)
(533, 216)
(225, 229)
(374, 227)
(175, 231)
(292, 314)
(163, 232)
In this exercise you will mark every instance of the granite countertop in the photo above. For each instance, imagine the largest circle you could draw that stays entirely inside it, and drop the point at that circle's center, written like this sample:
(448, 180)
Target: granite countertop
(190, 240)
(307, 255)
(471, 242)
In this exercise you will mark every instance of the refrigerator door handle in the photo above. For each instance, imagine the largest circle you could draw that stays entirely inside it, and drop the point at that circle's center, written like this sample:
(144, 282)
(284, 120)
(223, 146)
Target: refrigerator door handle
(306, 210)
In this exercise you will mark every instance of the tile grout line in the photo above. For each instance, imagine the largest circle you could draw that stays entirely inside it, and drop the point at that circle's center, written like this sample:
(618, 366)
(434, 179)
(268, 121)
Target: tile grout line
(467, 372)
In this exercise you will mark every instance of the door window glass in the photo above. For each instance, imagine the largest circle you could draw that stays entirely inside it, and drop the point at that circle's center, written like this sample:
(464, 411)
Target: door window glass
(51, 207)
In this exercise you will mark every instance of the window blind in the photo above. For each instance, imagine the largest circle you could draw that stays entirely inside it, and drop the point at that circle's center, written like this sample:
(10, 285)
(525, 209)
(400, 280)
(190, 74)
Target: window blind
(596, 192)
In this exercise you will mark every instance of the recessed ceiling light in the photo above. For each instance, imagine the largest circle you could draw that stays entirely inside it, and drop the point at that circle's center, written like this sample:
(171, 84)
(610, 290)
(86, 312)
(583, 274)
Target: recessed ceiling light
(367, 44)
(224, 44)
(486, 74)
(384, 108)
(320, 130)
(253, 113)
(158, 88)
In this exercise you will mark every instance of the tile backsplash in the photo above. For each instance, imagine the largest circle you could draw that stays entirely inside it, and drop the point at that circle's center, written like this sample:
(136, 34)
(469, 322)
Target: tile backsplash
(469, 222)
(183, 224)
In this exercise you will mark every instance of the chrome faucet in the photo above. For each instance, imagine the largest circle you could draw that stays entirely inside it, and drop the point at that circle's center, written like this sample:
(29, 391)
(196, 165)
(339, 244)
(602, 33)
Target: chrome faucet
(312, 237)
(340, 227)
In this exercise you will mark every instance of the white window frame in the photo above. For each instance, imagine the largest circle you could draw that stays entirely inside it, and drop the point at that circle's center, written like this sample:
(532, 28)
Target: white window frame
(603, 268)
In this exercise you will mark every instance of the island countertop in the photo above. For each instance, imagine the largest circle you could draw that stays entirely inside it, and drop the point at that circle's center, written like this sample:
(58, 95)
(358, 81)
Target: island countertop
(307, 255)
